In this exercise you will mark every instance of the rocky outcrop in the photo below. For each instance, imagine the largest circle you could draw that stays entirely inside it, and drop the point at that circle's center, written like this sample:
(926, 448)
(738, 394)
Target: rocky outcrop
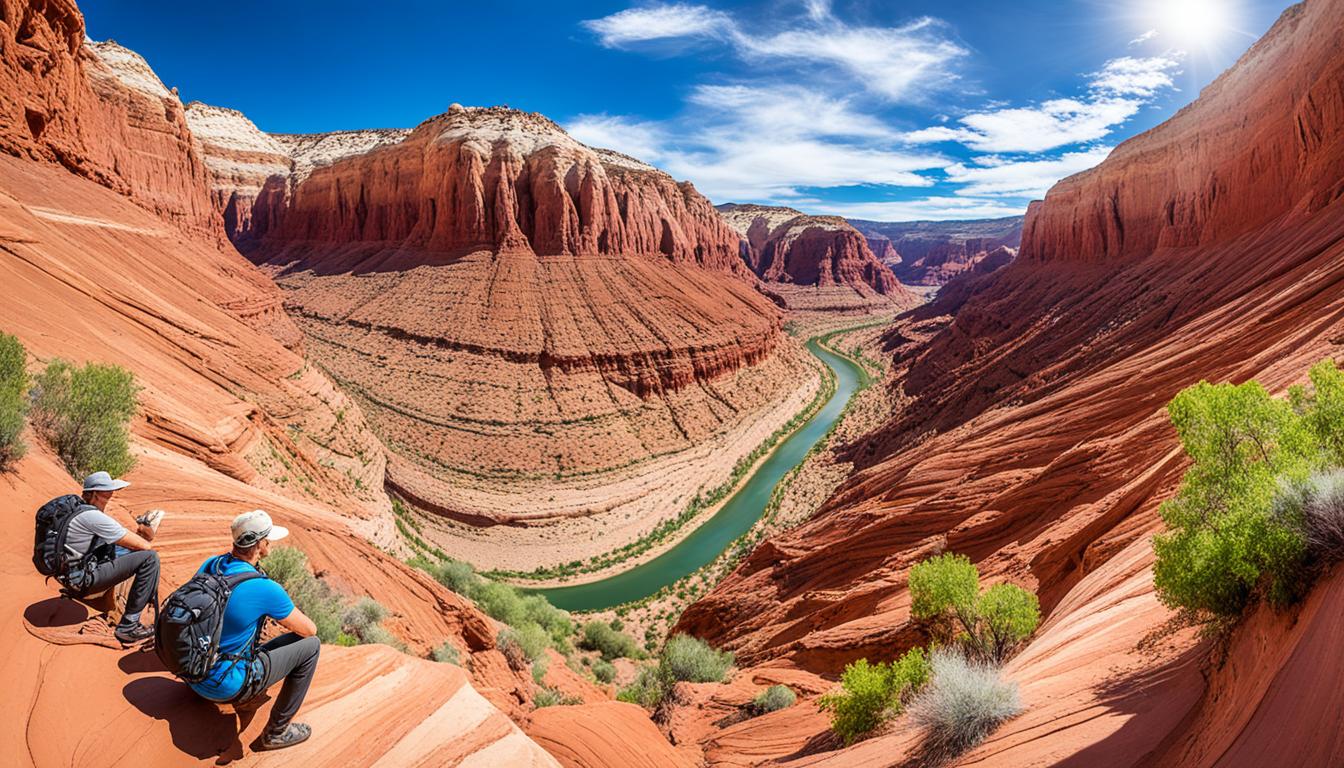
(1031, 435)
(934, 252)
(788, 247)
(506, 302)
(98, 110)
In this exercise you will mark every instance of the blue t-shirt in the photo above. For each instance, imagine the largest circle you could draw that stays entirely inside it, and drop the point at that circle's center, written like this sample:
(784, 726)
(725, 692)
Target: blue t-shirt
(250, 602)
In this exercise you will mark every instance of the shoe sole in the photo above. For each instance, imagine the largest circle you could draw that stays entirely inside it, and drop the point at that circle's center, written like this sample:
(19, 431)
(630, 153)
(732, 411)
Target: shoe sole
(268, 747)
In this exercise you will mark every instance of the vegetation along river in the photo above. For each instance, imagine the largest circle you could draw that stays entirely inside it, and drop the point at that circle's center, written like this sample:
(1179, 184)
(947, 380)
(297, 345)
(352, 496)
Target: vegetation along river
(735, 518)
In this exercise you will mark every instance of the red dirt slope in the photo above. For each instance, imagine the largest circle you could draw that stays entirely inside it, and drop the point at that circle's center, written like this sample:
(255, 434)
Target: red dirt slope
(1035, 439)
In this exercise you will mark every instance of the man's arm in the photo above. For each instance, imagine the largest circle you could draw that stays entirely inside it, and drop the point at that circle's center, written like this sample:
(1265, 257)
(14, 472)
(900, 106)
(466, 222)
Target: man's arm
(298, 623)
(136, 540)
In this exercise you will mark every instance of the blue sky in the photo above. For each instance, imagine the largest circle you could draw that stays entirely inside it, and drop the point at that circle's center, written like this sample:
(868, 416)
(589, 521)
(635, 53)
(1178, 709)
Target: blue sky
(879, 110)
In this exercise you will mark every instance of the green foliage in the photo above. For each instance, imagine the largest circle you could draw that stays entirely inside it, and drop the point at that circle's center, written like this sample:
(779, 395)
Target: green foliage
(945, 593)
(85, 414)
(358, 623)
(447, 654)
(604, 671)
(690, 659)
(501, 602)
(871, 694)
(13, 399)
(773, 699)
(944, 584)
(549, 697)
(539, 667)
(647, 689)
(1008, 615)
(1230, 529)
(599, 636)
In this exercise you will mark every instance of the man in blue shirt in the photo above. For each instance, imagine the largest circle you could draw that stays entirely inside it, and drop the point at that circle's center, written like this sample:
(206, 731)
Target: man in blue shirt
(291, 657)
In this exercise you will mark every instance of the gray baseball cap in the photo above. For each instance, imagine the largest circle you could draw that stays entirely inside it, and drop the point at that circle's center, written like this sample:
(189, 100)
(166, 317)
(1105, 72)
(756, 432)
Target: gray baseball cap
(251, 527)
(101, 481)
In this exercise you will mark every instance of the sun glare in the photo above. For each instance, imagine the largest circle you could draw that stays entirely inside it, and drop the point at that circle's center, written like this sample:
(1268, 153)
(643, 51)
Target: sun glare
(1191, 23)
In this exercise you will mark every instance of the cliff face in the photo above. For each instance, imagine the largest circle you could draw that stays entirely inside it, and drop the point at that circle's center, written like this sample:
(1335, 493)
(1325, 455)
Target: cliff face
(99, 111)
(506, 302)
(934, 252)
(784, 246)
(1032, 436)
(105, 259)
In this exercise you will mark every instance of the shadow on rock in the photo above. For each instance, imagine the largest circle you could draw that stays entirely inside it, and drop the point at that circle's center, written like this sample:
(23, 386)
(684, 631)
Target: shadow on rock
(66, 621)
(199, 729)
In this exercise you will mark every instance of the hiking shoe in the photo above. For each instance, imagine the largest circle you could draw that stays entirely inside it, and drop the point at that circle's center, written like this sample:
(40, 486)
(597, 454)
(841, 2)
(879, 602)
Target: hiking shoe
(296, 733)
(134, 634)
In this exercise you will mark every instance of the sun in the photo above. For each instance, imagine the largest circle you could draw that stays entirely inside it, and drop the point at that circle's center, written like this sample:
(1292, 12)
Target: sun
(1191, 23)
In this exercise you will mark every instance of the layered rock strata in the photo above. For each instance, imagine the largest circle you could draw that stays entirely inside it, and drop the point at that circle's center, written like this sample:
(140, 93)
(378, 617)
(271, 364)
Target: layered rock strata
(933, 252)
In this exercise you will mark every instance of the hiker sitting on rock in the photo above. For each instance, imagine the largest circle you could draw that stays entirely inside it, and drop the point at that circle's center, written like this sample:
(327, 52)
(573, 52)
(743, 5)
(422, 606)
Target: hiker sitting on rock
(89, 552)
(231, 589)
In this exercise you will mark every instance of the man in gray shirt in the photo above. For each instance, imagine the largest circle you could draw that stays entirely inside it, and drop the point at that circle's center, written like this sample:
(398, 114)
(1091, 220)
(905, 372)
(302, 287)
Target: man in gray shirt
(125, 554)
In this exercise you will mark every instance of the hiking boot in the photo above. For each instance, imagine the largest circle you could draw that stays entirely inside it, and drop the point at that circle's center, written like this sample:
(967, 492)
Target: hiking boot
(296, 733)
(133, 634)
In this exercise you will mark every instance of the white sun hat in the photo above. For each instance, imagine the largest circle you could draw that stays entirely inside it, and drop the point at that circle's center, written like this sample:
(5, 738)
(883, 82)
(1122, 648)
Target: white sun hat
(251, 527)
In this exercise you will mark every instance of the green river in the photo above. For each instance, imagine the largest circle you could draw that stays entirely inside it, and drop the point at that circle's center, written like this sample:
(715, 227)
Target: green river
(733, 519)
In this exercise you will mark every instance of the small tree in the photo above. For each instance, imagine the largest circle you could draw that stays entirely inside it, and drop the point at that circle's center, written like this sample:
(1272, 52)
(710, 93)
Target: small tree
(13, 399)
(84, 414)
(945, 593)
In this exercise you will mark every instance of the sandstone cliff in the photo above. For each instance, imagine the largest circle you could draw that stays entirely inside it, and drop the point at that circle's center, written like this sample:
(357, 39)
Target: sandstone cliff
(934, 252)
(785, 247)
(506, 303)
(1032, 437)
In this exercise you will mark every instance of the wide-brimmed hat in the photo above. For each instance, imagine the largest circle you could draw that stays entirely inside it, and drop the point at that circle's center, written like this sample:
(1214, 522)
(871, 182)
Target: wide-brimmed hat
(251, 527)
(101, 481)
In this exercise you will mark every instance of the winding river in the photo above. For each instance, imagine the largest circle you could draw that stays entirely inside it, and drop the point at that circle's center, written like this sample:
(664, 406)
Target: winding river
(733, 519)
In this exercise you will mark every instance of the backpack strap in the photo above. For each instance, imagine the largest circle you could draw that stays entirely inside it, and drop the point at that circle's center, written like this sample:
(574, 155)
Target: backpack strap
(63, 558)
(231, 582)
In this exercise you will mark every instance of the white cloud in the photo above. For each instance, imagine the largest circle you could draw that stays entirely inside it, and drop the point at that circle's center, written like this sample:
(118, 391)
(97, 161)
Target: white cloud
(1115, 94)
(1022, 178)
(640, 139)
(1145, 37)
(903, 63)
(1130, 76)
(927, 208)
(659, 22)
(791, 110)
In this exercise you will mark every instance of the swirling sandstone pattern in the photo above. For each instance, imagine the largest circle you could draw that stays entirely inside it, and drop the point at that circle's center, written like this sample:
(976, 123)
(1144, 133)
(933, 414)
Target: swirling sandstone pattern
(1036, 442)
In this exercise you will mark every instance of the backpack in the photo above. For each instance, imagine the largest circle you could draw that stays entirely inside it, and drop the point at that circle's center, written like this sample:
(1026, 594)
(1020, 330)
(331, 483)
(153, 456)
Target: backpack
(50, 555)
(188, 625)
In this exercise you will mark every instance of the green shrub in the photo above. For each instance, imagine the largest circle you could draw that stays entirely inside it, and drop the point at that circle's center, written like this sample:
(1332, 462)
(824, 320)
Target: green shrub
(365, 613)
(13, 399)
(963, 703)
(646, 690)
(447, 654)
(539, 667)
(873, 693)
(532, 639)
(690, 659)
(1322, 515)
(554, 621)
(458, 576)
(604, 671)
(549, 697)
(356, 624)
(773, 699)
(500, 602)
(1225, 536)
(599, 636)
(85, 414)
(945, 593)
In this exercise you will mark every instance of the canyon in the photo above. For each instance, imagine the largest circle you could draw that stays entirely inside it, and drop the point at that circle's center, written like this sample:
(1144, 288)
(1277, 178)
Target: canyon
(928, 253)
(814, 263)
(528, 339)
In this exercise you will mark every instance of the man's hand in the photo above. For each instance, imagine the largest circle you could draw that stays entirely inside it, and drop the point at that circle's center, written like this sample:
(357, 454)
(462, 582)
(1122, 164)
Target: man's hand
(145, 531)
(149, 524)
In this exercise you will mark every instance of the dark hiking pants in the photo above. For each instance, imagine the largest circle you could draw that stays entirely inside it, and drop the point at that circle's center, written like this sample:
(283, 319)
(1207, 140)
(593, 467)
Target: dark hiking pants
(293, 659)
(143, 566)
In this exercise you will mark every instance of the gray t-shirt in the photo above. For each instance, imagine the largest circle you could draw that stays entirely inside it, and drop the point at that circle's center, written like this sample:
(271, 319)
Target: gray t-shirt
(90, 524)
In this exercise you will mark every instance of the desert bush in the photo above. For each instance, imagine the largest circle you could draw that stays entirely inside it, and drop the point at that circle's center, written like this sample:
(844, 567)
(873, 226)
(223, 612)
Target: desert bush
(84, 414)
(447, 654)
(539, 667)
(604, 671)
(773, 699)
(549, 697)
(501, 602)
(1230, 529)
(1322, 517)
(556, 622)
(945, 593)
(532, 639)
(690, 659)
(646, 690)
(288, 566)
(13, 399)
(599, 636)
(458, 576)
(963, 702)
(871, 694)
(365, 613)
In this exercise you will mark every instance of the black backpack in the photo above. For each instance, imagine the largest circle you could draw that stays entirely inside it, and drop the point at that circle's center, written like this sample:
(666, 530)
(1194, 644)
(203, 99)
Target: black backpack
(50, 556)
(188, 625)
